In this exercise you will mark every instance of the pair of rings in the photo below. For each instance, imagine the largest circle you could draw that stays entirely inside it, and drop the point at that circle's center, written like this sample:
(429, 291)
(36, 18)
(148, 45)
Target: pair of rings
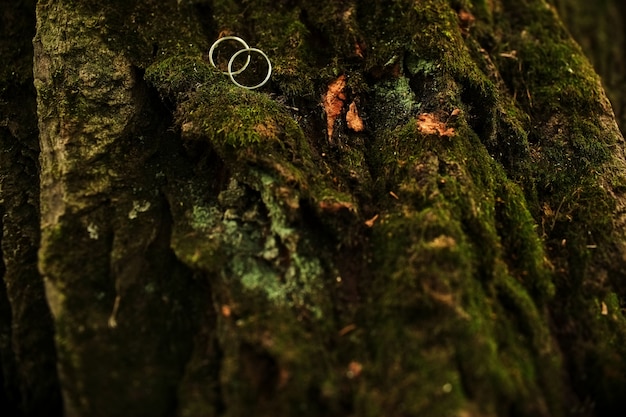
(246, 49)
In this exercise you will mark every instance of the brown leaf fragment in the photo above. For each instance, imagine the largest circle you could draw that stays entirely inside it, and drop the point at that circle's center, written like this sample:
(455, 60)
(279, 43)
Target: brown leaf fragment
(283, 378)
(349, 328)
(353, 119)
(466, 21)
(333, 101)
(510, 55)
(429, 124)
(370, 222)
(354, 369)
(359, 48)
(605, 309)
(334, 206)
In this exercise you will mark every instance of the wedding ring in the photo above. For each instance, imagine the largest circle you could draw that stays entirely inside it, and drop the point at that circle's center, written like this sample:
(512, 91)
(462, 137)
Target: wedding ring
(229, 38)
(232, 60)
(245, 49)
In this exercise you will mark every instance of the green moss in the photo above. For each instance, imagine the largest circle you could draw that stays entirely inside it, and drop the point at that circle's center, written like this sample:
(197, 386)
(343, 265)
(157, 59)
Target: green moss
(295, 363)
(459, 274)
(283, 35)
(458, 256)
(279, 32)
(523, 247)
(429, 282)
(247, 129)
(397, 99)
(176, 77)
(199, 251)
(557, 73)
(233, 118)
(431, 276)
(145, 30)
(457, 211)
(224, 239)
(562, 82)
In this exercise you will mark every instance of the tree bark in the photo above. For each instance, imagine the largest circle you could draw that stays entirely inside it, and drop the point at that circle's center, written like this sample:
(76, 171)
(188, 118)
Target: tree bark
(30, 385)
(421, 214)
(600, 30)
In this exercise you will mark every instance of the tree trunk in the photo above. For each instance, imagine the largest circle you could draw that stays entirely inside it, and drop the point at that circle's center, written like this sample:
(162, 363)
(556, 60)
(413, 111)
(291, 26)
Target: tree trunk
(600, 29)
(422, 213)
(30, 385)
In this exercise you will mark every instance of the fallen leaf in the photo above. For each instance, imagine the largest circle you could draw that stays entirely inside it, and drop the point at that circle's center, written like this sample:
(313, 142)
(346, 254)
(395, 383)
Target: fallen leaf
(370, 222)
(428, 124)
(358, 49)
(347, 329)
(353, 119)
(333, 102)
(466, 21)
(510, 55)
(354, 369)
(547, 210)
(347, 14)
(283, 378)
(335, 206)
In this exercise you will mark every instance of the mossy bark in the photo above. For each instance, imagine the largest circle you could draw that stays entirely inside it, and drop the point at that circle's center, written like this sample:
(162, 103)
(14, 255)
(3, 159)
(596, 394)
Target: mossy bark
(600, 28)
(209, 250)
(28, 376)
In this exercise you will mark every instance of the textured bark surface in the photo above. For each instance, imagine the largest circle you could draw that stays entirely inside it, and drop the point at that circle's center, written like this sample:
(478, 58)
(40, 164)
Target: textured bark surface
(422, 214)
(600, 29)
(29, 380)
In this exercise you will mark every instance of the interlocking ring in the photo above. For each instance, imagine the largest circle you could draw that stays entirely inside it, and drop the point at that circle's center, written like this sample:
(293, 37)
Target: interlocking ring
(229, 38)
(236, 54)
(245, 49)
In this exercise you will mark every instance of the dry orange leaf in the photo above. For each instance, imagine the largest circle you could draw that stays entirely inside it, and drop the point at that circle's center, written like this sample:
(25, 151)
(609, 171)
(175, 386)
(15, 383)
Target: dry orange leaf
(335, 206)
(358, 49)
(333, 102)
(353, 119)
(428, 124)
(370, 222)
(466, 20)
(354, 369)
(349, 328)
